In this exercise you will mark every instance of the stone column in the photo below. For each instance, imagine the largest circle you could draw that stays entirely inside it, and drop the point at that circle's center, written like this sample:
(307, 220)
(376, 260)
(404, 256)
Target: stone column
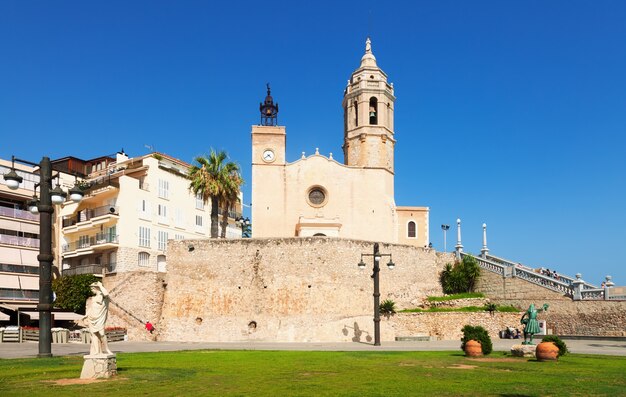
(459, 246)
(484, 251)
(577, 286)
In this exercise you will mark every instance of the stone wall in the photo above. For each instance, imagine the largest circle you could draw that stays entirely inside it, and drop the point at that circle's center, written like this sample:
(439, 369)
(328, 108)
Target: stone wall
(447, 326)
(136, 297)
(288, 290)
(564, 316)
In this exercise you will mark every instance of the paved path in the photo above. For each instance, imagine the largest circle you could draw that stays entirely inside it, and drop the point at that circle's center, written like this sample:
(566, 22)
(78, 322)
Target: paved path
(30, 349)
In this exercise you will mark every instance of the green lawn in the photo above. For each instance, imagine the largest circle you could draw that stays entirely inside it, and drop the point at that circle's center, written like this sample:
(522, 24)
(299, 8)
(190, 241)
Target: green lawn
(290, 373)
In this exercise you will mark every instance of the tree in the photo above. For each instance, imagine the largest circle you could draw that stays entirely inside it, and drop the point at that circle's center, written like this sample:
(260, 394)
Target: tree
(213, 177)
(230, 197)
(72, 291)
(460, 277)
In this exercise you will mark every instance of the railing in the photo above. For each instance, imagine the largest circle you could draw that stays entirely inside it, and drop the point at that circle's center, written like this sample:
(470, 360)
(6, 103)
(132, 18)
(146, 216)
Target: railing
(490, 265)
(90, 213)
(544, 281)
(83, 269)
(561, 278)
(100, 183)
(231, 214)
(18, 214)
(19, 294)
(592, 294)
(100, 238)
(19, 241)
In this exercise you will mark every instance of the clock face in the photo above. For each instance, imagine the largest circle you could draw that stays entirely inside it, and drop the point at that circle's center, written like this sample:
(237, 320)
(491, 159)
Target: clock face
(268, 156)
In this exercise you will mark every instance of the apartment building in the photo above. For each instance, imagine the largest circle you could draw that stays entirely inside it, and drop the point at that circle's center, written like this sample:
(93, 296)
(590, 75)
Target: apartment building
(131, 208)
(19, 242)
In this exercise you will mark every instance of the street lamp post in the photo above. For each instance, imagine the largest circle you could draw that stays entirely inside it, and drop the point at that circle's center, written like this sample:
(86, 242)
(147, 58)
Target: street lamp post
(445, 229)
(375, 275)
(245, 223)
(48, 196)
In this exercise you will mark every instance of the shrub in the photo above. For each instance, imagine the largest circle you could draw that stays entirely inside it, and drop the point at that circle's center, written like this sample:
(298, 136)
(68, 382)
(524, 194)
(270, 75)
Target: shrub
(72, 291)
(462, 295)
(558, 342)
(388, 307)
(460, 277)
(491, 307)
(479, 334)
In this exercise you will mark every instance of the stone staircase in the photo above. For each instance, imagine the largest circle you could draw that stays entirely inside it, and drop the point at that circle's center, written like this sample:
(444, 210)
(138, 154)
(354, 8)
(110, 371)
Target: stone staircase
(574, 288)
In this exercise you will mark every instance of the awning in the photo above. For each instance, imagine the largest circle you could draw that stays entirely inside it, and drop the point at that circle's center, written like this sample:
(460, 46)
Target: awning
(10, 281)
(29, 283)
(19, 256)
(61, 316)
(4, 317)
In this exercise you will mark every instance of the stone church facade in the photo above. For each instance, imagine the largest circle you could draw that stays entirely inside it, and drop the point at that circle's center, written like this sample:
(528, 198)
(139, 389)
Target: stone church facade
(317, 195)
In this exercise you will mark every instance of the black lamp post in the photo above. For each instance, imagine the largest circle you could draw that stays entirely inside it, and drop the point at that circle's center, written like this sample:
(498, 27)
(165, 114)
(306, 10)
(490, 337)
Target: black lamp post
(245, 223)
(375, 275)
(44, 207)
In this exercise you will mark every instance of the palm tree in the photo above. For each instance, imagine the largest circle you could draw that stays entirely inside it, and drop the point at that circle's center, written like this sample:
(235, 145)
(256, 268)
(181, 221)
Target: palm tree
(230, 197)
(213, 178)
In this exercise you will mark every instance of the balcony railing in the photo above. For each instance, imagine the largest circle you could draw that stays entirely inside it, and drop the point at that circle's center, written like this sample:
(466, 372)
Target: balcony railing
(19, 241)
(101, 182)
(89, 214)
(84, 269)
(231, 214)
(98, 239)
(18, 214)
(18, 294)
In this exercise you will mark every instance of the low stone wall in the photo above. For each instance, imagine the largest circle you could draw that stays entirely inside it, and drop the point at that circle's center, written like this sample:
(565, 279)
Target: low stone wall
(448, 325)
(564, 316)
(287, 290)
(136, 297)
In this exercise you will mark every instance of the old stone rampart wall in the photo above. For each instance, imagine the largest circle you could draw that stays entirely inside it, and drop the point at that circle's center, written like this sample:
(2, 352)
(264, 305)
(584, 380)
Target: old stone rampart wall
(136, 297)
(288, 289)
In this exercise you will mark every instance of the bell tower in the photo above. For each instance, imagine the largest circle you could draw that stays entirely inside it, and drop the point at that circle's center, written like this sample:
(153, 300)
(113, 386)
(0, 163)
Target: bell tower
(368, 105)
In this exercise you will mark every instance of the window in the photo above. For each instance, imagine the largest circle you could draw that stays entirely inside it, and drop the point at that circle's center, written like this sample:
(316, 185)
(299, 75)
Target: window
(162, 240)
(162, 209)
(411, 230)
(83, 242)
(144, 236)
(143, 259)
(199, 220)
(356, 114)
(164, 188)
(373, 111)
(199, 201)
(179, 237)
(142, 183)
(180, 218)
(317, 196)
(144, 209)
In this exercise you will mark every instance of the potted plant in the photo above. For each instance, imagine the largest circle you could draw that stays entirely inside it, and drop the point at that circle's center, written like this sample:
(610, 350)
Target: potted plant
(550, 348)
(474, 336)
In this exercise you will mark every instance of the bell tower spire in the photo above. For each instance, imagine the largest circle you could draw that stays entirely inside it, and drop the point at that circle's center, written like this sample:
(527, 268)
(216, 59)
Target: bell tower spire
(368, 106)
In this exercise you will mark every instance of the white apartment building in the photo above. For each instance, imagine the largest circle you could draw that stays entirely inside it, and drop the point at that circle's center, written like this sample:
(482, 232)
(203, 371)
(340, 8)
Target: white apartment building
(131, 208)
(19, 242)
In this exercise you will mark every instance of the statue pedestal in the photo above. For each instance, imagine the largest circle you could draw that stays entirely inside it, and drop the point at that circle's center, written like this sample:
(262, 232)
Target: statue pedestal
(523, 350)
(99, 366)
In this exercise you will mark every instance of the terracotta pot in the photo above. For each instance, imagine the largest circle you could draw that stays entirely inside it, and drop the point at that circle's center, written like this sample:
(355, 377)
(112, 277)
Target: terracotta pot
(547, 351)
(473, 348)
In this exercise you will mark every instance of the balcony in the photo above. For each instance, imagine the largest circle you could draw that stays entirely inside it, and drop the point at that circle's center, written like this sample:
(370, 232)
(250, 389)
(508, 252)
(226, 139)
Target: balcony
(19, 241)
(90, 217)
(18, 214)
(94, 268)
(91, 244)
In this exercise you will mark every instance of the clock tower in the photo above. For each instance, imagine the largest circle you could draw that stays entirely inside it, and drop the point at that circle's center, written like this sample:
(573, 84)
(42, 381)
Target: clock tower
(368, 106)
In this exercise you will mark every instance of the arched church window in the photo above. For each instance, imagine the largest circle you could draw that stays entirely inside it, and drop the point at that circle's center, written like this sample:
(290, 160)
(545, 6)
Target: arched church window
(319, 235)
(411, 230)
(356, 114)
(373, 111)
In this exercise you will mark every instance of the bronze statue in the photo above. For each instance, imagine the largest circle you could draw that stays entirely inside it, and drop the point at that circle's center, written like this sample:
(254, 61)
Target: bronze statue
(531, 325)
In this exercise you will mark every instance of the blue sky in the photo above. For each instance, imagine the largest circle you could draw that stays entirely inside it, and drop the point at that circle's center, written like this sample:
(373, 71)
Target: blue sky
(509, 113)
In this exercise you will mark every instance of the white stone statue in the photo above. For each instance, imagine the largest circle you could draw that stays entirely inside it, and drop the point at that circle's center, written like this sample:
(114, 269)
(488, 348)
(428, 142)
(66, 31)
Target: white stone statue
(97, 310)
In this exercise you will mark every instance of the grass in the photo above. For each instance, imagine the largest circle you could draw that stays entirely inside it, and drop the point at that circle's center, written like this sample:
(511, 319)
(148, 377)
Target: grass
(292, 373)
(466, 309)
(463, 295)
